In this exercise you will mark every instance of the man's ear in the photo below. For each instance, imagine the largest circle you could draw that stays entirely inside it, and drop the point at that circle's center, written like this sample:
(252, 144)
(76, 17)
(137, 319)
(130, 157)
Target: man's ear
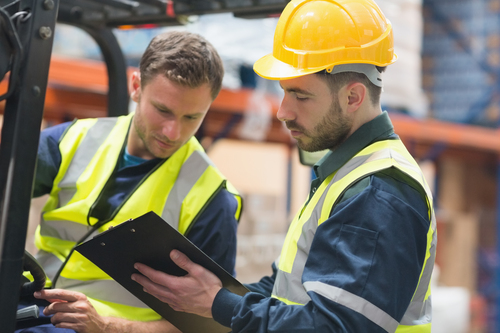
(356, 94)
(135, 86)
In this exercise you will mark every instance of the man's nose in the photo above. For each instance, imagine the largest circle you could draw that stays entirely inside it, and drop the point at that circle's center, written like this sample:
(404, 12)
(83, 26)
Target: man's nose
(172, 129)
(285, 112)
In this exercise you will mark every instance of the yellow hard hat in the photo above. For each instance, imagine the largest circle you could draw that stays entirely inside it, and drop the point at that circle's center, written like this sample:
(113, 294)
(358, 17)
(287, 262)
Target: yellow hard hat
(314, 35)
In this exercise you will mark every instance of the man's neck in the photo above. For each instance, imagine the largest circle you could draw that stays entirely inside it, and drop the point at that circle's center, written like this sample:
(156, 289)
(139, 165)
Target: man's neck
(365, 115)
(135, 145)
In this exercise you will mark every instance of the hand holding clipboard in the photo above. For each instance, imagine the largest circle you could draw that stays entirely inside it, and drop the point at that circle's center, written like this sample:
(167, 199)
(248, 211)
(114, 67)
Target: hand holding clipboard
(149, 240)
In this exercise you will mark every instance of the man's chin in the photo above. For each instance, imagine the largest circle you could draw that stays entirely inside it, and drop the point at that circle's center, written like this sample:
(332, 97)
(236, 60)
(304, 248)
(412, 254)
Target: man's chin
(311, 149)
(306, 147)
(165, 153)
(162, 152)
(163, 156)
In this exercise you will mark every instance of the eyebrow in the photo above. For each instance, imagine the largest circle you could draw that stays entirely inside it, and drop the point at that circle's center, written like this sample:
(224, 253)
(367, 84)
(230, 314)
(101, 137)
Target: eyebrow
(297, 90)
(163, 108)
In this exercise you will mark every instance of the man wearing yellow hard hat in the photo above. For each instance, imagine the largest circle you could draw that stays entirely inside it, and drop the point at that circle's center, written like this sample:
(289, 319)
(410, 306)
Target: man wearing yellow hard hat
(358, 256)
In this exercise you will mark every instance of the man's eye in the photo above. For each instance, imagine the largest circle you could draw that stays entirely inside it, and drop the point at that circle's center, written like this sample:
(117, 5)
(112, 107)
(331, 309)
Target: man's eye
(301, 98)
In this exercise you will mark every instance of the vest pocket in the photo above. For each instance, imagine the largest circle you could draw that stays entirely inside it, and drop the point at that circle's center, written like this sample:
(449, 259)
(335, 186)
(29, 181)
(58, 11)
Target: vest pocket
(355, 252)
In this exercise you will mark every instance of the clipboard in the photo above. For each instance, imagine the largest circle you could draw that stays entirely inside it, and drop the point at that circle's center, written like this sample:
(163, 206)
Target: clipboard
(148, 239)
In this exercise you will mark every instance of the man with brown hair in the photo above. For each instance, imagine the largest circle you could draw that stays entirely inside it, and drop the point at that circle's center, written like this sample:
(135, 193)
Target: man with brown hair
(359, 254)
(102, 172)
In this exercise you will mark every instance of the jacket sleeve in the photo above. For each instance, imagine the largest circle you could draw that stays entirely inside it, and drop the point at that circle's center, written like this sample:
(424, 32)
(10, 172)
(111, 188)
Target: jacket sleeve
(214, 232)
(48, 159)
(364, 265)
(265, 285)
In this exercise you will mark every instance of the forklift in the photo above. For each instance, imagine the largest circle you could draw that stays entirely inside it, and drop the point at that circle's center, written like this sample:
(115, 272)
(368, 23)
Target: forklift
(26, 37)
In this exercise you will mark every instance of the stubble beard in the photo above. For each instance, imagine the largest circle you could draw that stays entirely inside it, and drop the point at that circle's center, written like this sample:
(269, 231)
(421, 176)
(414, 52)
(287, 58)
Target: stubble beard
(140, 130)
(329, 133)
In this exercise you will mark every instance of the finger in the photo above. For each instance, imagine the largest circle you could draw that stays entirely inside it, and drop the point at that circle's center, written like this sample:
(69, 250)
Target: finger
(51, 300)
(142, 280)
(66, 320)
(52, 310)
(145, 270)
(156, 290)
(182, 260)
(65, 307)
(150, 287)
(166, 297)
(59, 294)
(156, 277)
(194, 270)
(162, 296)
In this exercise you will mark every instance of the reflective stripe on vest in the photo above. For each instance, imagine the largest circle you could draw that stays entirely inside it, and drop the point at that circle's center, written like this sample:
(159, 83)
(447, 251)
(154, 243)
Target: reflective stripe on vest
(178, 189)
(108, 290)
(288, 286)
(190, 172)
(89, 146)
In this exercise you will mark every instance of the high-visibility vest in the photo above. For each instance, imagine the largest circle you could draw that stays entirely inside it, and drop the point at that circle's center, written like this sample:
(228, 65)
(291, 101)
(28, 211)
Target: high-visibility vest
(177, 189)
(291, 263)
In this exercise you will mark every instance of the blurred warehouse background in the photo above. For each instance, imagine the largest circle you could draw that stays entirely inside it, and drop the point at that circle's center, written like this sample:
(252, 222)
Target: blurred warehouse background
(443, 95)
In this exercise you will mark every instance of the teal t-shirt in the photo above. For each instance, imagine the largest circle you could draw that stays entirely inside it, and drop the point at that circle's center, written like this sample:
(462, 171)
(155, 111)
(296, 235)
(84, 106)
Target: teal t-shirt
(130, 160)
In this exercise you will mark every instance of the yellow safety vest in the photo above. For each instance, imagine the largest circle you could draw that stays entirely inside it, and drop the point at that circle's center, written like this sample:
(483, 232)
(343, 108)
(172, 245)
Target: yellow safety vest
(288, 286)
(177, 190)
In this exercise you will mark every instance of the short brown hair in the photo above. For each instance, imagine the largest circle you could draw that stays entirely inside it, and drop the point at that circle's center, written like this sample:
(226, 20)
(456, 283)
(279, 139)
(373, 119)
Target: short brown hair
(185, 58)
(338, 80)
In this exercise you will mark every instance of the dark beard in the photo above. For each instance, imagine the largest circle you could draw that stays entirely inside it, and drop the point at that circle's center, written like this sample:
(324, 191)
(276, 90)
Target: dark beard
(329, 133)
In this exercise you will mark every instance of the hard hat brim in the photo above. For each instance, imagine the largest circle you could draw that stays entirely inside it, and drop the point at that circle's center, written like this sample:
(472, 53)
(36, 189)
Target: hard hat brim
(271, 68)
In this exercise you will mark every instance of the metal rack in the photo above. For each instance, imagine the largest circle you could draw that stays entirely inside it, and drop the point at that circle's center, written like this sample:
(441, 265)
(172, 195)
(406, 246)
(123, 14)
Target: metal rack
(461, 74)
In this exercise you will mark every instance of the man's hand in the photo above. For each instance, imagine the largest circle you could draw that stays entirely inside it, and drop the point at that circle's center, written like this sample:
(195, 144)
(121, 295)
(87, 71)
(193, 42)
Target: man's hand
(71, 309)
(193, 293)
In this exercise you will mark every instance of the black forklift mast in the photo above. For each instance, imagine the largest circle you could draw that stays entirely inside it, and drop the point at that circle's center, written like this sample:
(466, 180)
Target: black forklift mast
(26, 38)
(29, 25)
